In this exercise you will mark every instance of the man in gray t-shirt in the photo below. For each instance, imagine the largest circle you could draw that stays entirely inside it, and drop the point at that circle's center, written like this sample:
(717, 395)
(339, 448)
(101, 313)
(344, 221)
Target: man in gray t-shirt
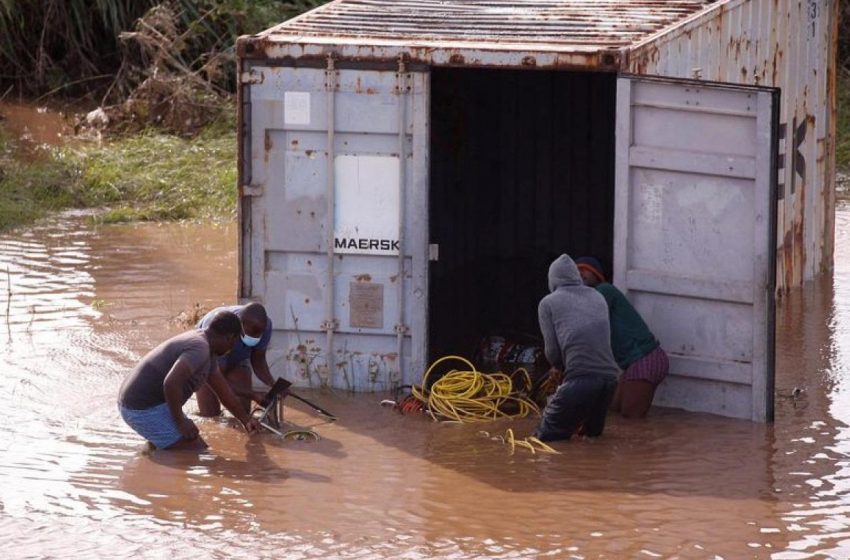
(151, 398)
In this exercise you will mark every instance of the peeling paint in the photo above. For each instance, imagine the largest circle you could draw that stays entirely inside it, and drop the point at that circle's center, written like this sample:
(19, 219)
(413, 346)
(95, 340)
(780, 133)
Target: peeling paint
(790, 49)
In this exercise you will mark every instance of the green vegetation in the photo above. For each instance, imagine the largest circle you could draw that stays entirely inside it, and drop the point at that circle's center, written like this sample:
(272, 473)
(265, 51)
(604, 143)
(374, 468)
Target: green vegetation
(164, 59)
(151, 176)
(160, 177)
(90, 47)
(30, 189)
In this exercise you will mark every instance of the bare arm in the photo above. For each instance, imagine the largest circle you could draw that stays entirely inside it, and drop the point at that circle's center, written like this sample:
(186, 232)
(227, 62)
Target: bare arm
(261, 366)
(228, 398)
(172, 387)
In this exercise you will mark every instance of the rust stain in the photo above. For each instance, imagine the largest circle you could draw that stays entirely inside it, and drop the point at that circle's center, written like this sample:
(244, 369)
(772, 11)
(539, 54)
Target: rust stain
(294, 143)
(529, 61)
(363, 277)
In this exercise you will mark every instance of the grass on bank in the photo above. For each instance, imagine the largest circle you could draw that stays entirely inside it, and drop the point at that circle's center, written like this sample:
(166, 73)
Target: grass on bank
(156, 177)
(151, 176)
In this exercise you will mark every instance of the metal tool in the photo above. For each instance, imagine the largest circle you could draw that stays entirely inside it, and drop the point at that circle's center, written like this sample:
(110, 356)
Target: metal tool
(272, 399)
(280, 390)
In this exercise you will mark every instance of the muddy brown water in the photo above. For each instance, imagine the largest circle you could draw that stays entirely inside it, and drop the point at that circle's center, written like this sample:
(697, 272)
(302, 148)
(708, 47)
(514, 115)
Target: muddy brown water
(31, 127)
(75, 482)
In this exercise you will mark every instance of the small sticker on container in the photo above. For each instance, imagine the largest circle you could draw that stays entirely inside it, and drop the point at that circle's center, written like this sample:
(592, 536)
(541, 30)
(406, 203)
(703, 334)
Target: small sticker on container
(296, 107)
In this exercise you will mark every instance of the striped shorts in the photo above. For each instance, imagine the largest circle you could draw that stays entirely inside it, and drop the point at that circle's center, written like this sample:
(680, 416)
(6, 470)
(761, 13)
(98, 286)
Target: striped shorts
(652, 368)
(155, 424)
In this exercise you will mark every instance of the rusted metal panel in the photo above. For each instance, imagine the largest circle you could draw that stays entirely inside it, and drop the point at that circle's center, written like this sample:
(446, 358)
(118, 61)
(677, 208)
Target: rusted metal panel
(469, 55)
(789, 45)
(485, 33)
(608, 23)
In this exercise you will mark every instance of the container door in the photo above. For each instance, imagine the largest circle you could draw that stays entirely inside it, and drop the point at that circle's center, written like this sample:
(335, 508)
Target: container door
(333, 221)
(695, 236)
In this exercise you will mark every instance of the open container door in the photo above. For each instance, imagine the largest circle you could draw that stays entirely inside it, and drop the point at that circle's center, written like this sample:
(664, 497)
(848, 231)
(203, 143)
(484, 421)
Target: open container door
(694, 232)
(333, 238)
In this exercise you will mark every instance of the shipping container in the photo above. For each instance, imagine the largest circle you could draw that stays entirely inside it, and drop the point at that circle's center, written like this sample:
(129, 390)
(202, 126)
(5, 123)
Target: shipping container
(409, 169)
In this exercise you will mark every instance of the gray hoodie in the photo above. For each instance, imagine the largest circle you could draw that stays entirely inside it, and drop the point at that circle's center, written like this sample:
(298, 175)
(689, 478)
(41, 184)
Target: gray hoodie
(574, 323)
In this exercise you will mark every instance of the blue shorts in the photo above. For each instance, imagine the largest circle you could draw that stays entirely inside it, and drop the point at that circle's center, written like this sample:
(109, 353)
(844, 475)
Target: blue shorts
(155, 424)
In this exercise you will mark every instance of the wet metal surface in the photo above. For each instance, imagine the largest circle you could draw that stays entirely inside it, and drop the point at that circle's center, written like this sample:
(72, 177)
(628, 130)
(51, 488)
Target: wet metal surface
(607, 23)
(75, 482)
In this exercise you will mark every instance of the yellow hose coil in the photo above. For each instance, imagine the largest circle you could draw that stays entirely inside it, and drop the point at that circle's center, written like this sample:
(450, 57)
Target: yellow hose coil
(471, 396)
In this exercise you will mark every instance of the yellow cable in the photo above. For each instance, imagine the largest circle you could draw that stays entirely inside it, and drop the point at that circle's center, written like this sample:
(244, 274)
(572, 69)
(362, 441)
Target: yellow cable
(472, 396)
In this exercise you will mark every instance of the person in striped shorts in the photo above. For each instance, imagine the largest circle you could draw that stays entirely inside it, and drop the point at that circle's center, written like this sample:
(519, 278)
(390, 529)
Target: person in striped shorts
(638, 353)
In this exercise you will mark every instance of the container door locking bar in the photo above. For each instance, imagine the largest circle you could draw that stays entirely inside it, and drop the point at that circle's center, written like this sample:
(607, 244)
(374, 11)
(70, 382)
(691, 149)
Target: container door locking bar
(402, 88)
(330, 324)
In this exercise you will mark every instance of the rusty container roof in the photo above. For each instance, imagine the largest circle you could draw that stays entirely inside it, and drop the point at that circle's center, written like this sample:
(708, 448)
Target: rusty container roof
(597, 23)
(497, 33)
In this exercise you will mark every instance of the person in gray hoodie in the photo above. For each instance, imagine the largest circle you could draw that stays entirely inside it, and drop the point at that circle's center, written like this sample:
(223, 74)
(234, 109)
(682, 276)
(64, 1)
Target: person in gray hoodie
(577, 335)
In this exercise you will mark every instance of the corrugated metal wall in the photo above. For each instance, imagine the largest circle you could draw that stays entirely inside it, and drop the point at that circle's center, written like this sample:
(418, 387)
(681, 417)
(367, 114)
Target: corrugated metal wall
(522, 170)
(788, 44)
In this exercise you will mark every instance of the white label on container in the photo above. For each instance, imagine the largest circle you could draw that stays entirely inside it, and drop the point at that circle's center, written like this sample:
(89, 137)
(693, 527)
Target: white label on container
(366, 205)
(296, 107)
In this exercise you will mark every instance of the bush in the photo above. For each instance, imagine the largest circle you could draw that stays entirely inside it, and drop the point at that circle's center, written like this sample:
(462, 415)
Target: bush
(72, 47)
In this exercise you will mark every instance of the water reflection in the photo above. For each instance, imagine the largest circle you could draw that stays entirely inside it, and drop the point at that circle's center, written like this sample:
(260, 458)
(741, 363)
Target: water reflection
(87, 302)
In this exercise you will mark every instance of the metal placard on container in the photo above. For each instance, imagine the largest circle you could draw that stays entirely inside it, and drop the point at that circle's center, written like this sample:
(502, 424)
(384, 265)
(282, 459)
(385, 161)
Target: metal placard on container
(366, 305)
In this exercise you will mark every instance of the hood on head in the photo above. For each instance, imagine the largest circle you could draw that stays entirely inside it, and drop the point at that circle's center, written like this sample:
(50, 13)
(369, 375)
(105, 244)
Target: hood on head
(563, 272)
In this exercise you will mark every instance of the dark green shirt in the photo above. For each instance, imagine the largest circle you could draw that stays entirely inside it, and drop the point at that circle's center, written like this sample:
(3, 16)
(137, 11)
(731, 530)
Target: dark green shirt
(631, 339)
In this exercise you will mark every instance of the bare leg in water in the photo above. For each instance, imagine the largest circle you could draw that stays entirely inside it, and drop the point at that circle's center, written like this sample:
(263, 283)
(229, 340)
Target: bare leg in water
(632, 399)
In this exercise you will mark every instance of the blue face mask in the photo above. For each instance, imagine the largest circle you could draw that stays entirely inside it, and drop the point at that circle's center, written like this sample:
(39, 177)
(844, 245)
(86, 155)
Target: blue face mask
(250, 341)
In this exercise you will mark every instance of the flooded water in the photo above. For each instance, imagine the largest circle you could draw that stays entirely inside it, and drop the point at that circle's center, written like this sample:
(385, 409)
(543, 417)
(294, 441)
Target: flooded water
(31, 127)
(75, 482)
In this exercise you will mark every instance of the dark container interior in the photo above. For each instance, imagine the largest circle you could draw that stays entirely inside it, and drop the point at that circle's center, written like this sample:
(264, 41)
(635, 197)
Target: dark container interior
(522, 170)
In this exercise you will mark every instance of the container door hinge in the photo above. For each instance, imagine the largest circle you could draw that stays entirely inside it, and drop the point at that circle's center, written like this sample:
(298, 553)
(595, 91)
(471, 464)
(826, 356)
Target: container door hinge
(331, 74)
(401, 329)
(434, 252)
(403, 78)
(252, 190)
(252, 77)
(329, 325)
